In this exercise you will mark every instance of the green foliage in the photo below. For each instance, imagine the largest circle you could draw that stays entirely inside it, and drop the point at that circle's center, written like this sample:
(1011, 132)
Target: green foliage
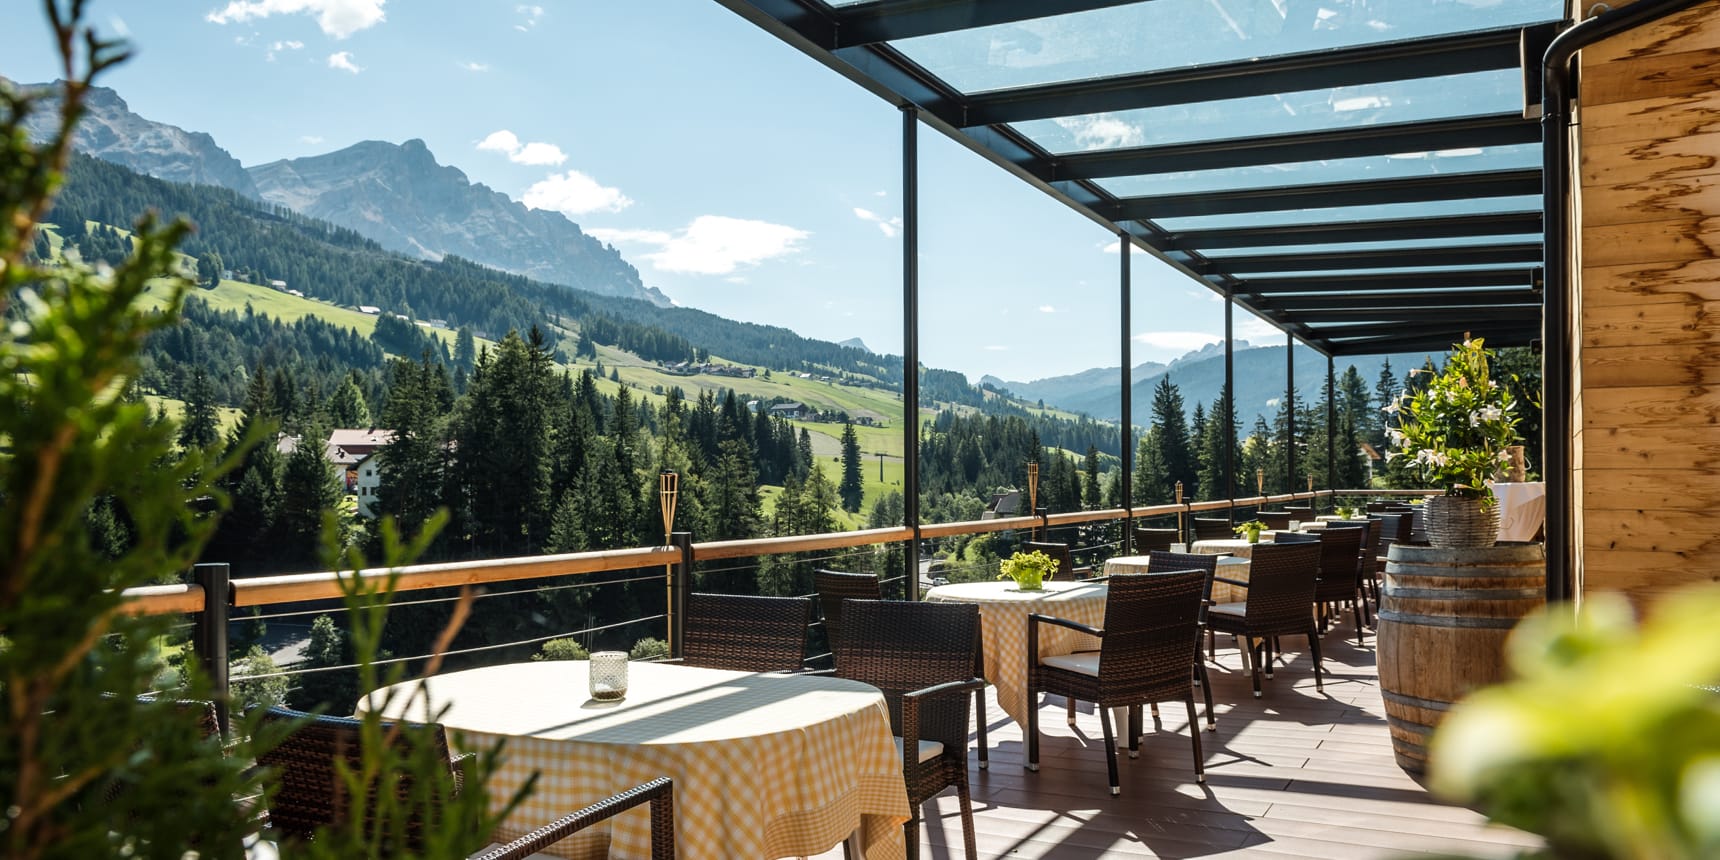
(249, 688)
(1607, 742)
(324, 686)
(1250, 530)
(852, 487)
(1456, 428)
(1028, 569)
(562, 649)
(649, 649)
(88, 766)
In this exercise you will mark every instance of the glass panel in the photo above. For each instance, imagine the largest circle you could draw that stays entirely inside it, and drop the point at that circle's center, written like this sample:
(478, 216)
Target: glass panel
(1221, 254)
(1336, 214)
(1165, 34)
(1389, 270)
(1376, 167)
(1495, 91)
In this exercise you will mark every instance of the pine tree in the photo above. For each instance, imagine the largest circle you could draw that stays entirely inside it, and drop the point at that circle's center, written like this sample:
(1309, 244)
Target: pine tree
(309, 489)
(465, 351)
(1090, 480)
(1212, 460)
(1173, 439)
(346, 406)
(201, 427)
(1386, 391)
(852, 489)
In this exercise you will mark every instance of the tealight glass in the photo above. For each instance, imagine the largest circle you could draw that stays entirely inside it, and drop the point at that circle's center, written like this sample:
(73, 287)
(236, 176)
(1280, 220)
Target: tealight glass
(608, 675)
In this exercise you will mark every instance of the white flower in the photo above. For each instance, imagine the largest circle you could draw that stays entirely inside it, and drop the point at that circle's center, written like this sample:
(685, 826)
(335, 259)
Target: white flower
(1491, 413)
(1390, 408)
(1504, 456)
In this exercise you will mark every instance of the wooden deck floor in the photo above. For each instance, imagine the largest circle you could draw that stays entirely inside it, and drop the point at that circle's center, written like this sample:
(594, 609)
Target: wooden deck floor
(1295, 773)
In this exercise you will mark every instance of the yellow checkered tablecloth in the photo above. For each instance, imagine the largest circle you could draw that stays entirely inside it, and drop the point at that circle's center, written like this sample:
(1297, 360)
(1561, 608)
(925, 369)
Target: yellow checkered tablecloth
(1228, 567)
(1003, 611)
(764, 765)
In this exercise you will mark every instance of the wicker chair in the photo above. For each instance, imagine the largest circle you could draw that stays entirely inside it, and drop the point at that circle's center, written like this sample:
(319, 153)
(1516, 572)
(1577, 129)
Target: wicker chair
(746, 633)
(1208, 564)
(922, 656)
(1340, 571)
(1281, 582)
(833, 587)
(307, 791)
(1060, 552)
(1147, 654)
(1296, 513)
(1147, 540)
(1212, 528)
(1275, 520)
(660, 793)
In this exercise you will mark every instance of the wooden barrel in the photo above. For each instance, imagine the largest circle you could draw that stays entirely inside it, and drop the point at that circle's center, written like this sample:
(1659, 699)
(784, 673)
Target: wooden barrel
(1444, 615)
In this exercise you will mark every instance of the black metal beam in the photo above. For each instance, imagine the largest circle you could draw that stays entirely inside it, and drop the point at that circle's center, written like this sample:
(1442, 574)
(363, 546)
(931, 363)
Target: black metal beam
(1419, 189)
(1339, 232)
(1387, 258)
(891, 20)
(1502, 129)
(1386, 283)
(1416, 327)
(1316, 319)
(1521, 335)
(1313, 70)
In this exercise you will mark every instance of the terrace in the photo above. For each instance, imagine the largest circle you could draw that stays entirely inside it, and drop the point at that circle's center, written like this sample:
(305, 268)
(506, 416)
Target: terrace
(1361, 250)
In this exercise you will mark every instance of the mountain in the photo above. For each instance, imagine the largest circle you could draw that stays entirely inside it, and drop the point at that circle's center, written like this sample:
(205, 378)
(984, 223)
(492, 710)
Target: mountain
(111, 132)
(399, 196)
(1057, 389)
(855, 343)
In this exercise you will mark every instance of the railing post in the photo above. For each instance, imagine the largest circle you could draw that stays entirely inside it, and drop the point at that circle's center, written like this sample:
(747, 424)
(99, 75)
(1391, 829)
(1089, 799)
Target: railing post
(209, 636)
(680, 582)
(1044, 527)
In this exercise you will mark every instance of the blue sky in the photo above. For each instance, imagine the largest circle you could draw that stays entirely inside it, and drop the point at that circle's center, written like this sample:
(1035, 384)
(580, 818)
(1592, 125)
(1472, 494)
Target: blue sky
(738, 175)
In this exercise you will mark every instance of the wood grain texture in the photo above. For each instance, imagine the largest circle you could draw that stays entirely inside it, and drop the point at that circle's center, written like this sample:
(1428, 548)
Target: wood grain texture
(1655, 282)
(1649, 489)
(1692, 198)
(1659, 75)
(1662, 324)
(1692, 29)
(1650, 119)
(1681, 153)
(1651, 406)
(1633, 366)
(1687, 534)
(1674, 448)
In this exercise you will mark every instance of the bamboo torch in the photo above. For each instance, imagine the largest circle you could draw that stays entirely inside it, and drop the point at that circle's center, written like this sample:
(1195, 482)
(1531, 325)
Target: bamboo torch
(1179, 513)
(668, 488)
(1033, 488)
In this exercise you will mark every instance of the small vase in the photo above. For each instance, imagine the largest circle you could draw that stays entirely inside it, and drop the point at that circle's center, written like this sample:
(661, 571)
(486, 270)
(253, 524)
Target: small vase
(1455, 522)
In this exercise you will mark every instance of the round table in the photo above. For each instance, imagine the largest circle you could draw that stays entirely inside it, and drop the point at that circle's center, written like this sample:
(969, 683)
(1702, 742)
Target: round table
(1239, 547)
(1003, 611)
(765, 765)
(1229, 567)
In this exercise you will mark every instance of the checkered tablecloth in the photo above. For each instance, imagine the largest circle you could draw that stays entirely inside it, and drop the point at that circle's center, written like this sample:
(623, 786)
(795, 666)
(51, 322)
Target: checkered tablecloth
(1222, 592)
(1003, 611)
(764, 765)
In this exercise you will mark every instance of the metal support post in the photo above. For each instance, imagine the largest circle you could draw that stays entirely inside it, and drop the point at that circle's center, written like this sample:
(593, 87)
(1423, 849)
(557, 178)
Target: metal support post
(911, 344)
(209, 635)
(680, 583)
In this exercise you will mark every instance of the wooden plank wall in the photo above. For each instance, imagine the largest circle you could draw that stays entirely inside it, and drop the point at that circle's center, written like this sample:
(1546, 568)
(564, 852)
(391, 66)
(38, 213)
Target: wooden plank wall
(1648, 381)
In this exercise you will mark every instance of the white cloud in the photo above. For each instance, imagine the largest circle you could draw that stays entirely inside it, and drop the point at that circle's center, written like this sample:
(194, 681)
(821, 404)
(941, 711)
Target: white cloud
(1182, 341)
(1102, 131)
(280, 46)
(573, 193)
(712, 244)
(312, 139)
(1250, 327)
(889, 226)
(880, 194)
(337, 18)
(1047, 309)
(536, 153)
(1111, 248)
(475, 67)
(531, 16)
(736, 279)
(343, 60)
(995, 348)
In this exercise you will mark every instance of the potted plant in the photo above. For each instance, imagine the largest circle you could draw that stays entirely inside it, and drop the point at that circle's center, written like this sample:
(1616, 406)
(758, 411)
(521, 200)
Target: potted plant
(1456, 430)
(1251, 530)
(1028, 569)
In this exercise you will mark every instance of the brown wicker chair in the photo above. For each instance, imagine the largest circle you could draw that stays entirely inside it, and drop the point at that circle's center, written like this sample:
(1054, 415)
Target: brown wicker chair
(1296, 513)
(1066, 568)
(1276, 520)
(1147, 540)
(1281, 582)
(1147, 654)
(307, 790)
(1340, 571)
(1208, 564)
(746, 633)
(660, 793)
(1212, 528)
(922, 656)
(833, 587)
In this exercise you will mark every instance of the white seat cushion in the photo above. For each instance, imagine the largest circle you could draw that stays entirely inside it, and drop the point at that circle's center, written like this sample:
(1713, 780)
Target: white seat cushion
(1084, 662)
(928, 749)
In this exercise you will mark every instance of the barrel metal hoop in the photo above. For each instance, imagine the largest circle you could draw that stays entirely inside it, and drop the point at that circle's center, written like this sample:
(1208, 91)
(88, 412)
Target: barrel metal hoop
(1413, 702)
(1469, 594)
(1448, 620)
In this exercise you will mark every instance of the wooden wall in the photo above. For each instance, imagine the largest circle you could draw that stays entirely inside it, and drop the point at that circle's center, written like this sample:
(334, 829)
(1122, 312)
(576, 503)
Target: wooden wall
(1647, 427)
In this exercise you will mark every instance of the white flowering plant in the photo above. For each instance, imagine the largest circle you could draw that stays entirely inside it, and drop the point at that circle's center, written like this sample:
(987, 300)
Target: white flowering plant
(1456, 428)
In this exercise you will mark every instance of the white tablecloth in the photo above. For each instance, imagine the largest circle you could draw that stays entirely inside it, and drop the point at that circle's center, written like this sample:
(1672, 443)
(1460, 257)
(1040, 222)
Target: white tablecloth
(764, 765)
(1003, 611)
(1522, 509)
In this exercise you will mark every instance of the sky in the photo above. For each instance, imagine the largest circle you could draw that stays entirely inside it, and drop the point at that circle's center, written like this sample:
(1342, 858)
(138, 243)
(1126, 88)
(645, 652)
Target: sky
(736, 173)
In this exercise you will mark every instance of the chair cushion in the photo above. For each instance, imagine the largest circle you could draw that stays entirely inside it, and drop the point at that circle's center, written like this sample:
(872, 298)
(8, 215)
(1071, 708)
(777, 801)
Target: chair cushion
(928, 749)
(1083, 662)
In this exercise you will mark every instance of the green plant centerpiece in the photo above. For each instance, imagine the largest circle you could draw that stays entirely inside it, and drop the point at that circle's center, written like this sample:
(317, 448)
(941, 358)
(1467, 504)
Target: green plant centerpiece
(1456, 429)
(1250, 530)
(1028, 569)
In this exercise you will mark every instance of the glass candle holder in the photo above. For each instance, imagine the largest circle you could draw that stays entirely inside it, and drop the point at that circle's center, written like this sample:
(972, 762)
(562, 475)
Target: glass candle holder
(608, 675)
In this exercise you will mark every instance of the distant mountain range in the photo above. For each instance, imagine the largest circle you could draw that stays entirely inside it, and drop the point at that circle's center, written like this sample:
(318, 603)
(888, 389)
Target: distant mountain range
(1199, 376)
(394, 194)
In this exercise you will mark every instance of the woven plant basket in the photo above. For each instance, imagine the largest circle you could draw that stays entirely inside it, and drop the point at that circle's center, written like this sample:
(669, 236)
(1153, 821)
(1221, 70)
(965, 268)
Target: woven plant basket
(1454, 522)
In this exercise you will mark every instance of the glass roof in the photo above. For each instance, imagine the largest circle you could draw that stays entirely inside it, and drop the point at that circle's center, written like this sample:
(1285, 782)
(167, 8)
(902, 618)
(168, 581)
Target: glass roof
(1486, 92)
(1316, 173)
(1167, 34)
(1220, 254)
(1339, 214)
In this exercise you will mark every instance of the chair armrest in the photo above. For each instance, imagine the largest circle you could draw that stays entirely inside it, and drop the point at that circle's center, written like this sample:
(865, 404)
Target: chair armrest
(1036, 618)
(1228, 581)
(815, 672)
(458, 766)
(660, 793)
(911, 712)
